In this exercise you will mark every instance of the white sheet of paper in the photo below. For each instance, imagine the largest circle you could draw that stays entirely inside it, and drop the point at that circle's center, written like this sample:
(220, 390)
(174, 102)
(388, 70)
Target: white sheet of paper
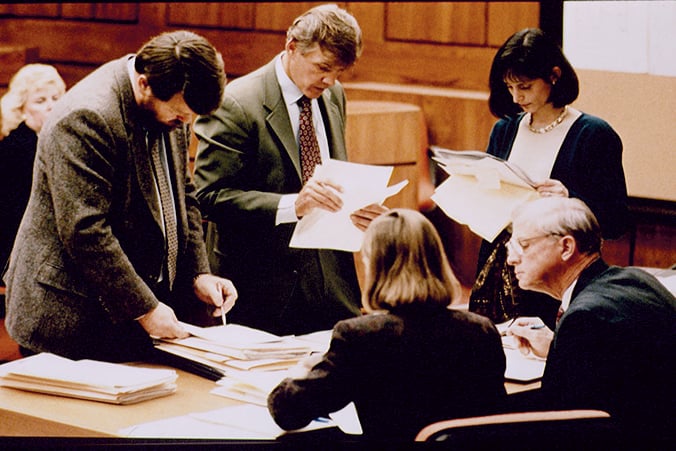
(487, 211)
(363, 185)
(520, 367)
(347, 420)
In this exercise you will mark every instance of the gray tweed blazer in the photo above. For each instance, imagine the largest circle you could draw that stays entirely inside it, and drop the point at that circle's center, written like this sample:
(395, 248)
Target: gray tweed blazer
(90, 248)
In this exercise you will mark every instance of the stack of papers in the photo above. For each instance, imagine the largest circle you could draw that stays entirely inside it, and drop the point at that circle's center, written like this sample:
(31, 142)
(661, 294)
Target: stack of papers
(482, 190)
(87, 379)
(235, 347)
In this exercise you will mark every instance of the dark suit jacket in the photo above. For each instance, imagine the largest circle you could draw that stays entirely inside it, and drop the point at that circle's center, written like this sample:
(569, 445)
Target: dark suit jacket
(90, 247)
(403, 370)
(247, 158)
(615, 349)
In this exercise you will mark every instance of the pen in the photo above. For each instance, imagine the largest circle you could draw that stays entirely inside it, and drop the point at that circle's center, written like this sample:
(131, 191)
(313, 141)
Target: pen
(537, 326)
(223, 314)
(504, 332)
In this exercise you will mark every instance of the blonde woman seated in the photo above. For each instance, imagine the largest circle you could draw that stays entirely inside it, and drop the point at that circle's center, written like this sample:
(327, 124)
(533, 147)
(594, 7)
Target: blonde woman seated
(411, 360)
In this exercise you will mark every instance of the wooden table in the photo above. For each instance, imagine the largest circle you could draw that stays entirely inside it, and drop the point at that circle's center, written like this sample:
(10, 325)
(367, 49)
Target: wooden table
(26, 414)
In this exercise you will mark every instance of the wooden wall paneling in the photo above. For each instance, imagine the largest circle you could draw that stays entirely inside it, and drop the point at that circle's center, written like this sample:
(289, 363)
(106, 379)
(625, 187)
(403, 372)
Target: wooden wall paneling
(272, 16)
(78, 10)
(120, 12)
(81, 42)
(505, 18)
(425, 64)
(212, 14)
(655, 245)
(371, 18)
(36, 9)
(12, 58)
(442, 22)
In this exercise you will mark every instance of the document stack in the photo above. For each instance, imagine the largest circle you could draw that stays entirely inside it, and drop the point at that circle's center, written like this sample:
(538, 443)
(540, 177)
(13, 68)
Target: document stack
(225, 350)
(87, 379)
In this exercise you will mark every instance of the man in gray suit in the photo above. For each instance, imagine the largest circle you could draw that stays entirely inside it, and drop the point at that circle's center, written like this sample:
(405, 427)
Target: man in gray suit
(101, 257)
(614, 346)
(248, 174)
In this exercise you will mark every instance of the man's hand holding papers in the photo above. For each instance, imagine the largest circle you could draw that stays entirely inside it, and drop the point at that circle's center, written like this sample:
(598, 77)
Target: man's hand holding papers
(361, 185)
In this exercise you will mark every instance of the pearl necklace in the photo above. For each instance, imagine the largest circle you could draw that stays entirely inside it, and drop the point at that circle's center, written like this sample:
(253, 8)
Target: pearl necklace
(549, 127)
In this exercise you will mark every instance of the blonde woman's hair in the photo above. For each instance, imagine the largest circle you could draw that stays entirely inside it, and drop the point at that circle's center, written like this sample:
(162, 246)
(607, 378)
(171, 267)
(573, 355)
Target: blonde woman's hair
(405, 263)
(26, 80)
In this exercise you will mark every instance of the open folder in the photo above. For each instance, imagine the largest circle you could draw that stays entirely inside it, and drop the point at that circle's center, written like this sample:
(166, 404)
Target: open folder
(481, 191)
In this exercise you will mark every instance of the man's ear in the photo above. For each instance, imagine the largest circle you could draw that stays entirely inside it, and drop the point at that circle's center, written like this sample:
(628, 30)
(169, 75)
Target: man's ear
(568, 247)
(143, 85)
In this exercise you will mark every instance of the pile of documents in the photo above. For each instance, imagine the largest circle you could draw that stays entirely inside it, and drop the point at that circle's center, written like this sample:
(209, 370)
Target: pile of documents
(233, 347)
(482, 190)
(87, 379)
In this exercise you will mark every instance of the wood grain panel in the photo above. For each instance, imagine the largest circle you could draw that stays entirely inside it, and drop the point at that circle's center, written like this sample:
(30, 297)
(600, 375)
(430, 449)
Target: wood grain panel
(371, 18)
(123, 12)
(225, 15)
(118, 12)
(505, 18)
(381, 132)
(272, 16)
(443, 22)
(425, 64)
(78, 10)
(35, 9)
(12, 58)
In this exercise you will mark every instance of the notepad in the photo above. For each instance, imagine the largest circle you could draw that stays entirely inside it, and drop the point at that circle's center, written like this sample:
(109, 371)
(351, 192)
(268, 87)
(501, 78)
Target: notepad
(94, 380)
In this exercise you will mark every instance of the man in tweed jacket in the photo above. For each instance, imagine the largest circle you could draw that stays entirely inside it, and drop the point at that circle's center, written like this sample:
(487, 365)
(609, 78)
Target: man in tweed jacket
(88, 273)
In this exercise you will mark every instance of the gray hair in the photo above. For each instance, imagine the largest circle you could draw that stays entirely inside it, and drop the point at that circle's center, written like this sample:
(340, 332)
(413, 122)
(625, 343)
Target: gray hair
(563, 216)
(332, 28)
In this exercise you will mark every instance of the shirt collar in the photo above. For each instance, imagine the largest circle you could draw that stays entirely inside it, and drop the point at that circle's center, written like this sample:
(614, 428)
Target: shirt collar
(567, 295)
(290, 91)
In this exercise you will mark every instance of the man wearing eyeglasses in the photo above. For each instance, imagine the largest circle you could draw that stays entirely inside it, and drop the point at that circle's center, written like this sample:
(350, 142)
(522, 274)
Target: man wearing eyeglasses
(614, 347)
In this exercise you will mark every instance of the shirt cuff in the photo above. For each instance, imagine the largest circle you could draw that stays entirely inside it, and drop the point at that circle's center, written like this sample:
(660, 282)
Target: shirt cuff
(286, 209)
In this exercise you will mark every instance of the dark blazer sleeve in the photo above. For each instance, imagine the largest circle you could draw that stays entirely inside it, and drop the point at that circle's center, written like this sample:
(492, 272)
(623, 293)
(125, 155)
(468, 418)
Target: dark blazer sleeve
(590, 165)
(294, 403)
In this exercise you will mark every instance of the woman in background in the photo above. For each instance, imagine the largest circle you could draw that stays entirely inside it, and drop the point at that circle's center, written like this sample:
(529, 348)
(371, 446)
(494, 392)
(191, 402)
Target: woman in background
(32, 92)
(411, 360)
(571, 153)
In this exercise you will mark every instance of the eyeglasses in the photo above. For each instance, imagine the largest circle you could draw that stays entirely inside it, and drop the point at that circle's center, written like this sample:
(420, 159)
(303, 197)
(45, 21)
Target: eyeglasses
(518, 246)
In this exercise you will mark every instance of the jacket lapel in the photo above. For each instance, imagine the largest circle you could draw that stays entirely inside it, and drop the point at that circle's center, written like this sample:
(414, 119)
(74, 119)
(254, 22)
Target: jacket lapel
(278, 117)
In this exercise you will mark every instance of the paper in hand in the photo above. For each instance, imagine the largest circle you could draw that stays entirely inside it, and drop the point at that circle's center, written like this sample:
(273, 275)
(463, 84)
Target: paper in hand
(363, 185)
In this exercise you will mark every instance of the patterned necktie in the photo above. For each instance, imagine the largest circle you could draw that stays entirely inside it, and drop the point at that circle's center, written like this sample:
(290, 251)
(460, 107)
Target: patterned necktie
(309, 148)
(559, 314)
(167, 207)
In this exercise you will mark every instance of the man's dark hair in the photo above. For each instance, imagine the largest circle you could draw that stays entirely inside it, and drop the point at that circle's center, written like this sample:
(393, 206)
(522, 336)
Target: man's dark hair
(183, 62)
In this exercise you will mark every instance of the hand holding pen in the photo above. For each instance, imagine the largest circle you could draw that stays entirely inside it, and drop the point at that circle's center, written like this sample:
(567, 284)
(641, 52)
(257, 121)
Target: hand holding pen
(216, 291)
(532, 335)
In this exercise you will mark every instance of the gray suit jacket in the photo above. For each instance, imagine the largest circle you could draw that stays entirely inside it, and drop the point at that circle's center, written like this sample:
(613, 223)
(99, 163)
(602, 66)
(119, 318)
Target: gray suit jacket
(90, 247)
(247, 158)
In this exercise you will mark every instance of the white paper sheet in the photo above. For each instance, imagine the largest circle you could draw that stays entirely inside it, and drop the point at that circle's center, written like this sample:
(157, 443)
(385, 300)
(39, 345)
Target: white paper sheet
(363, 185)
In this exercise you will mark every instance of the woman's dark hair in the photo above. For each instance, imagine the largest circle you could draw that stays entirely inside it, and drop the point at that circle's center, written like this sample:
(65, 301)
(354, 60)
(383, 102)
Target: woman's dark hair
(183, 62)
(530, 53)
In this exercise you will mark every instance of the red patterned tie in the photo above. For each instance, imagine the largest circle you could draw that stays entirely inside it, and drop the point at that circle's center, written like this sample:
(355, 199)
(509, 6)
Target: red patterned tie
(167, 207)
(309, 148)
